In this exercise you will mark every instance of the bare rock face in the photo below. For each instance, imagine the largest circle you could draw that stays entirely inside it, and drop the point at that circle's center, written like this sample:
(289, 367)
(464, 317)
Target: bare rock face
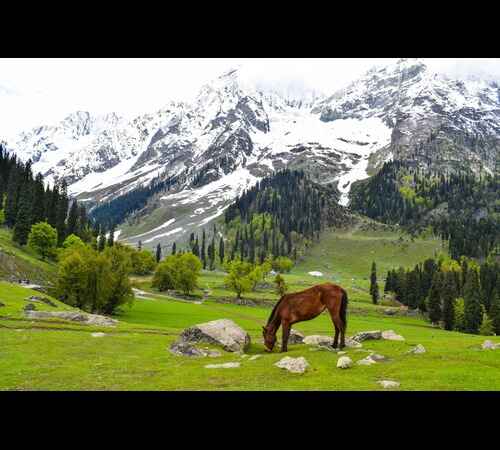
(223, 332)
(392, 336)
(294, 365)
(367, 335)
(74, 316)
(344, 362)
(296, 337)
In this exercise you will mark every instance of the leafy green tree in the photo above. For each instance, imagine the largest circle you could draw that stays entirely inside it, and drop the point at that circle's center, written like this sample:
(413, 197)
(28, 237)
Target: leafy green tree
(486, 328)
(255, 276)
(166, 274)
(189, 269)
(282, 264)
(143, 262)
(472, 303)
(373, 284)
(73, 240)
(43, 239)
(238, 279)
(281, 286)
(120, 288)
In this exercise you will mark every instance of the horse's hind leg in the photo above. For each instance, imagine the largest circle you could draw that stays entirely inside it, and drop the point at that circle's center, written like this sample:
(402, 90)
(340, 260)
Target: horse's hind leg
(338, 324)
(286, 334)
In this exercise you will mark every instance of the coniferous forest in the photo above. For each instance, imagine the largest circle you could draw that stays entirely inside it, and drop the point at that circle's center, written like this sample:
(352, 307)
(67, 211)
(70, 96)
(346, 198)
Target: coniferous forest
(280, 216)
(27, 201)
(462, 208)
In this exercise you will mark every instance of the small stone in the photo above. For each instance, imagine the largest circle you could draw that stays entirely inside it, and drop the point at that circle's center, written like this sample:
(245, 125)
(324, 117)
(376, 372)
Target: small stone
(296, 337)
(294, 365)
(366, 361)
(98, 334)
(367, 335)
(390, 312)
(254, 357)
(389, 384)
(350, 343)
(390, 335)
(185, 349)
(344, 362)
(229, 365)
(341, 353)
(376, 357)
(316, 339)
(417, 349)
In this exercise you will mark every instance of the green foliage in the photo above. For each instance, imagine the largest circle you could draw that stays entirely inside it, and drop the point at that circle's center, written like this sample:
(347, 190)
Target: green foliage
(459, 315)
(73, 240)
(2, 217)
(448, 300)
(179, 271)
(281, 287)
(472, 306)
(238, 276)
(93, 281)
(143, 262)
(374, 293)
(282, 264)
(43, 239)
(486, 328)
(434, 302)
(495, 312)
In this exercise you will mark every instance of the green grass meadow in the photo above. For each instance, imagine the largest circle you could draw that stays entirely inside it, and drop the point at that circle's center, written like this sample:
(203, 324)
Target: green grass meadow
(59, 355)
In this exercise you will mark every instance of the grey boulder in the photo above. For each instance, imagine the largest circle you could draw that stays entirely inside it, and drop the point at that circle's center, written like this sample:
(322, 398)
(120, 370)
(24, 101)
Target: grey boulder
(367, 335)
(223, 332)
(294, 365)
(296, 337)
(74, 316)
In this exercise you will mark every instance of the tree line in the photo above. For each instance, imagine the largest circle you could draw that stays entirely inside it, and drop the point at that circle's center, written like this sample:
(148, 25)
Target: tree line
(460, 207)
(25, 201)
(460, 295)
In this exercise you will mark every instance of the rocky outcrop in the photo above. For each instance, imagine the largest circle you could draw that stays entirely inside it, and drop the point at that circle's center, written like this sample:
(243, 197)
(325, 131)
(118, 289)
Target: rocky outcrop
(74, 316)
(223, 332)
(294, 365)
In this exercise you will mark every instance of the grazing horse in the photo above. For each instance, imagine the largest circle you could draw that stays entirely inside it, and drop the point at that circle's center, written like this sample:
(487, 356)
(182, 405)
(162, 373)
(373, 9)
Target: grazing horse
(307, 305)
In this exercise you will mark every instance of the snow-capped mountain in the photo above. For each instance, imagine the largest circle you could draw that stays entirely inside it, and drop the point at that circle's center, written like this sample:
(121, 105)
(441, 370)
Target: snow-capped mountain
(234, 133)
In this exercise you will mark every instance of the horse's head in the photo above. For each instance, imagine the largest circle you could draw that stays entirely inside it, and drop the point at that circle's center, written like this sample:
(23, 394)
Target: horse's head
(269, 338)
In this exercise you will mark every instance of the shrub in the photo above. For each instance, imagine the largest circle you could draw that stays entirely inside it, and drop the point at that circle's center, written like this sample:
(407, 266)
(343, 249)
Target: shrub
(282, 264)
(486, 328)
(238, 278)
(180, 272)
(143, 262)
(281, 286)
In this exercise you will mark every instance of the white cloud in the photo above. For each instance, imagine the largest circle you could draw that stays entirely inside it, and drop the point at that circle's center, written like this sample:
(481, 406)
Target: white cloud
(40, 91)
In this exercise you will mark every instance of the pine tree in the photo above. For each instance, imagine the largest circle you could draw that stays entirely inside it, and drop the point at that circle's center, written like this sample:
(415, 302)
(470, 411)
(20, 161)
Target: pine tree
(448, 299)
(472, 303)
(62, 212)
(434, 302)
(11, 200)
(38, 208)
(495, 312)
(139, 246)
(102, 240)
(174, 248)
(158, 253)
(221, 250)
(72, 226)
(22, 227)
(203, 255)
(111, 237)
(373, 284)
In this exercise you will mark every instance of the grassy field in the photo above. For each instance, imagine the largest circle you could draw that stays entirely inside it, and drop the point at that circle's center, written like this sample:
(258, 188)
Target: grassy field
(21, 262)
(59, 355)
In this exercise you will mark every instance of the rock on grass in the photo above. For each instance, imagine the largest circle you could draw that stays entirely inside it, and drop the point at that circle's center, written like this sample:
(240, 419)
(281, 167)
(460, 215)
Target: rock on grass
(229, 365)
(344, 362)
(389, 384)
(417, 349)
(294, 365)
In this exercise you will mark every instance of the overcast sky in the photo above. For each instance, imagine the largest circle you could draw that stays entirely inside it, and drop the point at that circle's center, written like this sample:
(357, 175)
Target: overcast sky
(43, 91)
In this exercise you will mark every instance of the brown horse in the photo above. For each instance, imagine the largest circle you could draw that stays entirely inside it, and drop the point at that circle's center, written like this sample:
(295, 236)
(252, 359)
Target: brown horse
(307, 305)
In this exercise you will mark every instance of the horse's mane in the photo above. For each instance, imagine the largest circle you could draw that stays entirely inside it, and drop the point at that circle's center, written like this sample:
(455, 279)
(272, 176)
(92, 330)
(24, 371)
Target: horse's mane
(271, 317)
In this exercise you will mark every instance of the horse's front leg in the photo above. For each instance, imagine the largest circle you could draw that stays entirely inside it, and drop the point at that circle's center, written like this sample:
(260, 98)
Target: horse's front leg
(286, 333)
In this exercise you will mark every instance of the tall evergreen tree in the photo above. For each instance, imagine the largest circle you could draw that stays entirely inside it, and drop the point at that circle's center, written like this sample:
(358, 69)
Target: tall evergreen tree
(221, 250)
(374, 293)
(174, 248)
(434, 302)
(72, 226)
(38, 208)
(448, 301)
(203, 254)
(23, 221)
(62, 212)
(11, 201)
(102, 240)
(111, 237)
(495, 312)
(473, 314)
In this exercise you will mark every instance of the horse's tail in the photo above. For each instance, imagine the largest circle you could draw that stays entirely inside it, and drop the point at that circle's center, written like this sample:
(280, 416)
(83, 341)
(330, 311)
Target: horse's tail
(343, 307)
